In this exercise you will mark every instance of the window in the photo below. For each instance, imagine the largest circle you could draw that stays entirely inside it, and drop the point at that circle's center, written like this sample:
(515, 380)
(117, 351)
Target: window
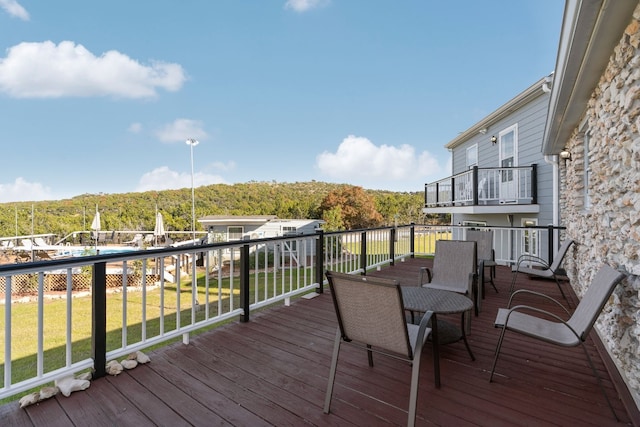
(587, 172)
(235, 232)
(530, 237)
(508, 149)
(472, 156)
(475, 223)
(289, 230)
(290, 246)
(508, 140)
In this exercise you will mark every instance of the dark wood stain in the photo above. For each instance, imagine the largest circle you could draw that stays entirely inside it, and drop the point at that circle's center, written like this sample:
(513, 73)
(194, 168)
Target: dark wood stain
(273, 371)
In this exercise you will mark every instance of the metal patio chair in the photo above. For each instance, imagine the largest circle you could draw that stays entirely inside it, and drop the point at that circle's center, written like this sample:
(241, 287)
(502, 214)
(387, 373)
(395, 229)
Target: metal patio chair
(544, 269)
(454, 269)
(371, 315)
(550, 328)
(486, 256)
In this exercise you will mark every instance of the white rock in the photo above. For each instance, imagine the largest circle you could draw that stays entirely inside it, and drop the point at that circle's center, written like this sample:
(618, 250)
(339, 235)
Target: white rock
(86, 376)
(142, 358)
(29, 399)
(129, 364)
(114, 367)
(47, 392)
(68, 385)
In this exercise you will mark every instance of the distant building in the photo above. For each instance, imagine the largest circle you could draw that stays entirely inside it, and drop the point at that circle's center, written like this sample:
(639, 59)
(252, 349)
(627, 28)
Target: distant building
(226, 228)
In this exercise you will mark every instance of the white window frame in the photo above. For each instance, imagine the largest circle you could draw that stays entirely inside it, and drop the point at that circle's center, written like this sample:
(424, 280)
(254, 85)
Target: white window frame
(587, 172)
(501, 140)
(472, 156)
(508, 186)
(232, 233)
(530, 238)
(475, 223)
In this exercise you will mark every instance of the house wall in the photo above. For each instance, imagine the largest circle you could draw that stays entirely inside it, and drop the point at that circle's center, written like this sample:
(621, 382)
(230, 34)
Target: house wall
(609, 230)
(531, 119)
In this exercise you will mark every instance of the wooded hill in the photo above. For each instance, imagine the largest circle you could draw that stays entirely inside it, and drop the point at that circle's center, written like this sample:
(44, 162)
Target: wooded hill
(136, 211)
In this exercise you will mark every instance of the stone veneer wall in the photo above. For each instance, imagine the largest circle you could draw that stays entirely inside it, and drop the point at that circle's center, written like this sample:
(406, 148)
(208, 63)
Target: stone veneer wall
(609, 231)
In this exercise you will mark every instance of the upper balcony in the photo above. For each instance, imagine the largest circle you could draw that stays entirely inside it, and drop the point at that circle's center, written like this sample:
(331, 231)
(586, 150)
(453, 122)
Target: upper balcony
(485, 191)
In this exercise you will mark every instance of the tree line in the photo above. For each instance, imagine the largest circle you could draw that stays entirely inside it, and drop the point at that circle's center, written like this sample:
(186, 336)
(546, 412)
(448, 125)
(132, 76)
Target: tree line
(342, 206)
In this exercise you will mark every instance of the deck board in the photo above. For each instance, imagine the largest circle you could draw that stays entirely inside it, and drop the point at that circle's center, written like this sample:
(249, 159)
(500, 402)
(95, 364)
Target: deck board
(272, 371)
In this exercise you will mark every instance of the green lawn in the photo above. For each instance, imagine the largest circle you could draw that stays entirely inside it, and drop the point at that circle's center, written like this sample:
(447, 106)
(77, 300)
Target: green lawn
(424, 243)
(24, 318)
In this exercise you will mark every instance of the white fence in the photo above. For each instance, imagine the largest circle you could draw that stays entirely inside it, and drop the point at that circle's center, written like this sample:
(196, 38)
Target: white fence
(47, 335)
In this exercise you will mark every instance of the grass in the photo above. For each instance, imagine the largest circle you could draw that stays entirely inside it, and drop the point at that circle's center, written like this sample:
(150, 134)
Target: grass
(176, 305)
(424, 243)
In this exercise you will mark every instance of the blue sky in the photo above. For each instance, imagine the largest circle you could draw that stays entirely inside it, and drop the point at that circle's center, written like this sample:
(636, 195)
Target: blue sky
(100, 96)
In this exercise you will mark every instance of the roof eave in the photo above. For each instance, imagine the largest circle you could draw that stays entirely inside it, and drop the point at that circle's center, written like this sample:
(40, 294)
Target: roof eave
(590, 31)
(531, 93)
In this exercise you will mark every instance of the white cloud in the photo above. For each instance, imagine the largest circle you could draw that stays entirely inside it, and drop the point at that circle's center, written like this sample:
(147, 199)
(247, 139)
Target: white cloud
(13, 8)
(163, 178)
(359, 160)
(22, 191)
(47, 70)
(135, 127)
(305, 5)
(181, 130)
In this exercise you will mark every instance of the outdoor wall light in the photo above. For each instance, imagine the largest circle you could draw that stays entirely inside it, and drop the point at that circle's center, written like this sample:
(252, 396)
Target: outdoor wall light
(564, 154)
(494, 139)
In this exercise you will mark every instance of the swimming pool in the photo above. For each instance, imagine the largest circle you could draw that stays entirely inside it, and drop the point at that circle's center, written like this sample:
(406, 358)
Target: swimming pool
(74, 251)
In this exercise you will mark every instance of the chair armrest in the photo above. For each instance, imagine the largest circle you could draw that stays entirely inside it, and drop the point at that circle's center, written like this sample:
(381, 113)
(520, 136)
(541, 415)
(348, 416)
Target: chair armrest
(424, 329)
(523, 308)
(473, 281)
(527, 257)
(423, 271)
(539, 294)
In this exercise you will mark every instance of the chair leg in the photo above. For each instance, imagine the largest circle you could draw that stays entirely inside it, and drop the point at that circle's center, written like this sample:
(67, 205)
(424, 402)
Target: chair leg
(464, 335)
(495, 360)
(514, 276)
(492, 275)
(413, 393)
(561, 291)
(478, 294)
(332, 371)
(435, 348)
(595, 372)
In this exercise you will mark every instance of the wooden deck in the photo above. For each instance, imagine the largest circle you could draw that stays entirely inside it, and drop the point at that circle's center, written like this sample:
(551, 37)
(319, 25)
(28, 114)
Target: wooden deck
(273, 370)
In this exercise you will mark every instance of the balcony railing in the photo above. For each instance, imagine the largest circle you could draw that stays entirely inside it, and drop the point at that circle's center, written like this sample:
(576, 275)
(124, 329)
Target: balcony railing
(484, 186)
(93, 309)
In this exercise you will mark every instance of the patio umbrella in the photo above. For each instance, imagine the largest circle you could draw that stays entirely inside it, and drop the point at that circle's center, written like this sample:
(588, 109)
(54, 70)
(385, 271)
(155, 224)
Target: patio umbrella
(95, 225)
(158, 231)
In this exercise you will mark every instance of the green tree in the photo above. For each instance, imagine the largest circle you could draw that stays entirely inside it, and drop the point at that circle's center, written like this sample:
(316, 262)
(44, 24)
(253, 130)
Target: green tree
(333, 219)
(357, 208)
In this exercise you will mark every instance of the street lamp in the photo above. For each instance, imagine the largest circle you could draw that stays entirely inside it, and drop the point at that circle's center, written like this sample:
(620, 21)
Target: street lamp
(192, 143)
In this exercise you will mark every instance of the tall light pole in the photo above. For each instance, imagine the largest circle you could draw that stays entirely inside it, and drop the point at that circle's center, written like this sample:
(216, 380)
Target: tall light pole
(192, 143)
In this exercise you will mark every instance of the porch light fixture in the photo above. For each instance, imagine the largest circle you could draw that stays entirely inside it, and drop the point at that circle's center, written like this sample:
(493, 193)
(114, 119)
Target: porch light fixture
(566, 155)
(494, 139)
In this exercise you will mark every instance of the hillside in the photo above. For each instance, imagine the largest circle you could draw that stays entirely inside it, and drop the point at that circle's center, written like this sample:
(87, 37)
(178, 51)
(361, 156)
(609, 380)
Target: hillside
(136, 211)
